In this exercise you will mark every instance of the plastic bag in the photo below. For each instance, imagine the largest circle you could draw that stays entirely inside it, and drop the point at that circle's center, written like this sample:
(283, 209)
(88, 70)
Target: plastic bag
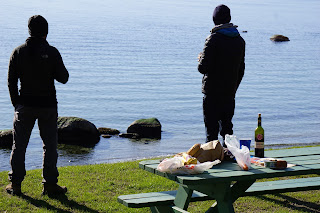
(176, 165)
(242, 154)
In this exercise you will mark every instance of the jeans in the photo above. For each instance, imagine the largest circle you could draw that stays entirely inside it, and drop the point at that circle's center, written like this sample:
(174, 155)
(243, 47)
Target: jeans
(23, 123)
(218, 113)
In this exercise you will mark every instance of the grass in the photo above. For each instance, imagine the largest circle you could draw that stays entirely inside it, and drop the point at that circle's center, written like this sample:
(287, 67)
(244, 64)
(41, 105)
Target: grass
(95, 188)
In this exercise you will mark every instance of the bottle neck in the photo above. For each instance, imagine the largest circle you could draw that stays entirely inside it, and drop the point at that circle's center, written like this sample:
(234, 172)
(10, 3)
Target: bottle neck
(259, 121)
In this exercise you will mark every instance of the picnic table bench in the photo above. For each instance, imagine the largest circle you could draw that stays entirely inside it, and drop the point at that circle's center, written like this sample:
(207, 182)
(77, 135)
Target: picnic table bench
(226, 182)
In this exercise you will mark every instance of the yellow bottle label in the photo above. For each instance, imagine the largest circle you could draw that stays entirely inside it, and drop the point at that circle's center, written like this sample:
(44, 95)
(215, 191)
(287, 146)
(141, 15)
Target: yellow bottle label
(259, 145)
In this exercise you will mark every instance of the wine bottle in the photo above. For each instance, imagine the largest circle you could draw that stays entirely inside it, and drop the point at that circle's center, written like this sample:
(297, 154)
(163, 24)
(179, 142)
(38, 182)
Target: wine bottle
(259, 139)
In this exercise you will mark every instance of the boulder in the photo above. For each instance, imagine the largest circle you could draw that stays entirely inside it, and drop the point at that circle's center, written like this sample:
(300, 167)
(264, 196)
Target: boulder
(279, 38)
(108, 131)
(146, 128)
(77, 131)
(6, 138)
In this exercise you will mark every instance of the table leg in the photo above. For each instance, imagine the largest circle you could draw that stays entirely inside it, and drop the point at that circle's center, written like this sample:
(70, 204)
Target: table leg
(161, 209)
(167, 209)
(228, 195)
(224, 199)
(181, 202)
(239, 188)
(183, 197)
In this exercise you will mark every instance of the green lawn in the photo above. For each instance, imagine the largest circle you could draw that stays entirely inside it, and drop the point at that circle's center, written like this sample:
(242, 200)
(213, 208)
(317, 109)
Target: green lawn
(95, 188)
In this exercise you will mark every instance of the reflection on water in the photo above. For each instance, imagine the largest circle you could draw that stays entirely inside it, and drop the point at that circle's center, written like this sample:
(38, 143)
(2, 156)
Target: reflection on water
(5, 151)
(66, 149)
(145, 140)
(140, 148)
(4, 159)
(70, 154)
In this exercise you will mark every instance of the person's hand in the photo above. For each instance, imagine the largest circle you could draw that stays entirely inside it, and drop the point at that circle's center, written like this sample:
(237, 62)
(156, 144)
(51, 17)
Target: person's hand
(199, 56)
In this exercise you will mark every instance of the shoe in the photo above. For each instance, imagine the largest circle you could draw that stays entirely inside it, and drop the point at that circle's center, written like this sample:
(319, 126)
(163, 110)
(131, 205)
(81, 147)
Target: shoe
(53, 189)
(14, 189)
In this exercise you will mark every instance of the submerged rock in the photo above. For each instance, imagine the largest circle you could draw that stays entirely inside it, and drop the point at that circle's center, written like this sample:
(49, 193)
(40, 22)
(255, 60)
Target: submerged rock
(6, 138)
(146, 128)
(78, 131)
(108, 131)
(106, 136)
(279, 38)
(129, 135)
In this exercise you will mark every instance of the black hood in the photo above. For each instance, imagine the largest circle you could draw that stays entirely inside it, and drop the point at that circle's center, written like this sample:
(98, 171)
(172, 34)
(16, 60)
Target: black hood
(221, 15)
(38, 26)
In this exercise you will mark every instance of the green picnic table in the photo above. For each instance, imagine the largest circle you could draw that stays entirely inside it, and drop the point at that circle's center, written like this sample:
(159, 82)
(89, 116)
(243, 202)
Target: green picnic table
(226, 182)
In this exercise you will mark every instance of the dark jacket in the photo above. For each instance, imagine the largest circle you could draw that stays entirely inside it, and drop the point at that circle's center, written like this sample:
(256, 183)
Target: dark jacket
(36, 64)
(222, 63)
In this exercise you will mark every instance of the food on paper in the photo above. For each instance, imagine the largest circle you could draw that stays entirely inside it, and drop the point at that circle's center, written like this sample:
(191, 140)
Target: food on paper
(271, 163)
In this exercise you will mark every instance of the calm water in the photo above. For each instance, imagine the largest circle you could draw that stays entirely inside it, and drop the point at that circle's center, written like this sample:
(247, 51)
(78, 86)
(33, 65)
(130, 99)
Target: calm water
(138, 59)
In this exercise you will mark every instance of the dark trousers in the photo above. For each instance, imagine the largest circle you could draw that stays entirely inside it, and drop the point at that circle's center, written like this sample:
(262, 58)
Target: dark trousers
(218, 113)
(24, 120)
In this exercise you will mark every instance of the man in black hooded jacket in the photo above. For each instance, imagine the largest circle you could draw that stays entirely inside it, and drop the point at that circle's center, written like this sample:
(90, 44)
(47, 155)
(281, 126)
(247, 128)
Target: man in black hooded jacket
(222, 65)
(36, 65)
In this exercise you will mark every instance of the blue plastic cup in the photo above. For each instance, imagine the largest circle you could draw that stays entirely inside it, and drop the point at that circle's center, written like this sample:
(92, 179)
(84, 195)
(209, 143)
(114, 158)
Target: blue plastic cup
(245, 142)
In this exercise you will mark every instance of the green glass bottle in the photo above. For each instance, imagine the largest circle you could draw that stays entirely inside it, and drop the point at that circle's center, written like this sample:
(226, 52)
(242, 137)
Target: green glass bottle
(259, 139)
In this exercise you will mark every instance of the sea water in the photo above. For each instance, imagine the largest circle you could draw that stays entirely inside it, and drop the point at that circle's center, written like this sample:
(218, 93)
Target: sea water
(138, 59)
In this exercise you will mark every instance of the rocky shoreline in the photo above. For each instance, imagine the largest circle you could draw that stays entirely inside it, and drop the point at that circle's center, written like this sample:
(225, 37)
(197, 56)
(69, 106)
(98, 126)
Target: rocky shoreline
(81, 132)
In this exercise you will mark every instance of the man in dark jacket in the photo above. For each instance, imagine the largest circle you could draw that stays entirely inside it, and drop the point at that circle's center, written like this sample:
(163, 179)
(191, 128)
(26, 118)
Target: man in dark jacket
(222, 65)
(36, 65)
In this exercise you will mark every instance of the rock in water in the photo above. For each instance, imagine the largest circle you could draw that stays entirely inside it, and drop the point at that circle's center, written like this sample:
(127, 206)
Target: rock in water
(106, 136)
(146, 128)
(279, 38)
(6, 138)
(130, 135)
(108, 131)
(77, 131)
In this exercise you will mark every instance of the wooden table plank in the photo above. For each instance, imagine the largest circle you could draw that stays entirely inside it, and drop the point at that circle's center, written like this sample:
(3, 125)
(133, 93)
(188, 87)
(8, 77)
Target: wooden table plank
(233, 166)
(315, 156)
(206, 178)
(287, 154)
(302, 157)
(281, 186)
(308, 159)
(261, 170)
(293, 152)
(225, 167)
(151, 168)
(145, 163)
